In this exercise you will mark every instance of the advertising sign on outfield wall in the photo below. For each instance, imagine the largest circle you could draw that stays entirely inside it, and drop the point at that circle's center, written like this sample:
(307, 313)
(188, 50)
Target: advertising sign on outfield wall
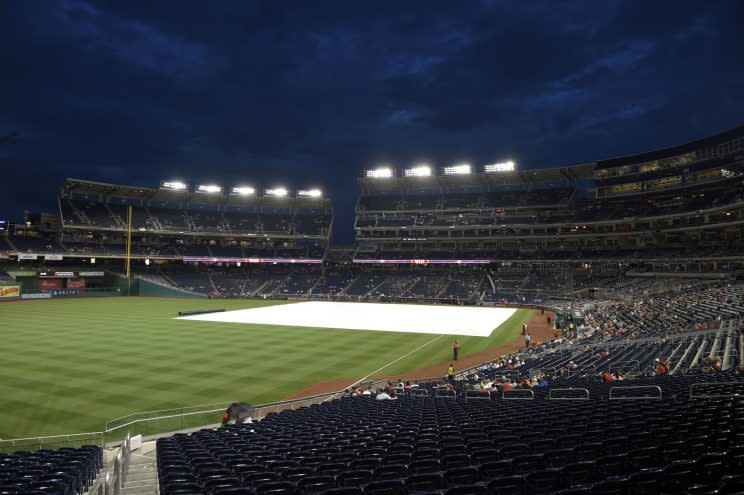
(37, 295)
(25, 256)
(9, 291)
(53, 257)
(50, 283)
(76, 284)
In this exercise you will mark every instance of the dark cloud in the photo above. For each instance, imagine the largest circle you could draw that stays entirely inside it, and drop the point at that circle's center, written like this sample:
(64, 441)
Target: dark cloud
(311, 93)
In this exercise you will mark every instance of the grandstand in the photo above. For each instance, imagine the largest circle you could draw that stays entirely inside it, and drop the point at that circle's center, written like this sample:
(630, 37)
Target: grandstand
(631, 270)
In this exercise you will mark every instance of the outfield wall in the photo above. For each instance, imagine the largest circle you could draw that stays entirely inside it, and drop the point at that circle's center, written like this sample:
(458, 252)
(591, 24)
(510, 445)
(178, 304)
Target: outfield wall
(142, 287)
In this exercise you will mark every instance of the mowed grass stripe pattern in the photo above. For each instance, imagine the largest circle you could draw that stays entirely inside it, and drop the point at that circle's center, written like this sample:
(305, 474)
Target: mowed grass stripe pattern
(70, 364)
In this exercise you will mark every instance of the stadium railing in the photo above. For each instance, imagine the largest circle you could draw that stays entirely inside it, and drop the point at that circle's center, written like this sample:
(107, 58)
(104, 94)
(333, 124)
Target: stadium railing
(166, 421)
(112, 476)
(51, 442)
(169, 421)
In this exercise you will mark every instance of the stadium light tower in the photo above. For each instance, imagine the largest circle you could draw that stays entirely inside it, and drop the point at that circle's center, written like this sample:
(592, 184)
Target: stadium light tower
(310, 193)
(174, 185)
(418, 171)
(379, 173)
(277, 191)
(459, 169)
(244, 190)
(208, 188)
(507, 166)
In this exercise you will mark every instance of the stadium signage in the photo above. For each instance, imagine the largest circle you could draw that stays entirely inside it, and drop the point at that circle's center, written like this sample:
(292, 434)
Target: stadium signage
(69, 274)
(53, 257)
(64, 292)
(38, 295)
(425, 262)
(9, 291)
(25, 256)
(253, 260)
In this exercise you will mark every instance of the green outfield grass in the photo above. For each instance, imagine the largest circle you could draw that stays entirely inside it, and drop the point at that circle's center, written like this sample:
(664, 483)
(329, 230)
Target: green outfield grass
(67, 365)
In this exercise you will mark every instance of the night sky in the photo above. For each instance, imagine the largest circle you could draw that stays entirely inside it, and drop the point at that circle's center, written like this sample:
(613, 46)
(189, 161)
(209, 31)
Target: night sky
(310, 93)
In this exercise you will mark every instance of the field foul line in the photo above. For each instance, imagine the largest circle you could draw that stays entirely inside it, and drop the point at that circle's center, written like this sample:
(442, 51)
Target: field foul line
(393, 362)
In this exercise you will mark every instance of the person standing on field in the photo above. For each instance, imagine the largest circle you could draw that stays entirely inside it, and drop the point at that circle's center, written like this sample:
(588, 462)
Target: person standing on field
(451, 373)
(456, 349)
(524, 328)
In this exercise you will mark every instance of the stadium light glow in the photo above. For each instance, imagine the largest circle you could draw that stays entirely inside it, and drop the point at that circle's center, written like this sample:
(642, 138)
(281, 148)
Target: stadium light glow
(418, 171)
(310, 193)
(460, 169)
(209, 188)
(243, 190)
(379, 173)
(174, 185)
(277, 191)
(508, 166)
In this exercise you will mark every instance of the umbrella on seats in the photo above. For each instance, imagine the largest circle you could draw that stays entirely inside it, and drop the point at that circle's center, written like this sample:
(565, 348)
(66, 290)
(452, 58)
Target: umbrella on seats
(240, 410)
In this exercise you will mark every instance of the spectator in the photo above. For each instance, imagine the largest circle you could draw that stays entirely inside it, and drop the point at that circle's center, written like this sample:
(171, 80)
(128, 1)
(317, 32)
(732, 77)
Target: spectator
(382, 395)
(661, 367)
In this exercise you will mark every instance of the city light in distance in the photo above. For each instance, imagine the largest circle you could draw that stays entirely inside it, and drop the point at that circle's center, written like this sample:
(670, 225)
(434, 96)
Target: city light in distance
(174, 185)
(243, 190)
(277, 191)
(209, 188)
(508, 166)
(379, 173)
(460, 169)
(311, 193)
(418, 171)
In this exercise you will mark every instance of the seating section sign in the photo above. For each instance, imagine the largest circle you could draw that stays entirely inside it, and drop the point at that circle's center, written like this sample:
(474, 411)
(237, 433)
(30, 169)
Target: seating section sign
(9, 291)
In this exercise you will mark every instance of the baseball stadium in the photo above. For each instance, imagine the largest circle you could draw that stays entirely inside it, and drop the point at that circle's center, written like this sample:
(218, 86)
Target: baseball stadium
(494, 330)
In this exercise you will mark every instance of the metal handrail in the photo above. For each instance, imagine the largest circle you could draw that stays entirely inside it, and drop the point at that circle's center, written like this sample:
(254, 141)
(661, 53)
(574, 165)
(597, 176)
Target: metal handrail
(514, 392)
(550, 393)
(13, 443)
(113, 475)
(478, 394)
(211, 409)
(714, 396)
(126, 416)
(451, 394)
(637, 387)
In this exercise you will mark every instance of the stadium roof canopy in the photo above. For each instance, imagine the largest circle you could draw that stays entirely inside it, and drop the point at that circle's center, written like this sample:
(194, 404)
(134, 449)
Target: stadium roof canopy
(699, 144)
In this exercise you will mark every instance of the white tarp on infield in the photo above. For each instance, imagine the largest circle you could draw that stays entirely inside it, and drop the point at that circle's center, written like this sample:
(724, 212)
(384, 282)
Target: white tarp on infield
(414, 318)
